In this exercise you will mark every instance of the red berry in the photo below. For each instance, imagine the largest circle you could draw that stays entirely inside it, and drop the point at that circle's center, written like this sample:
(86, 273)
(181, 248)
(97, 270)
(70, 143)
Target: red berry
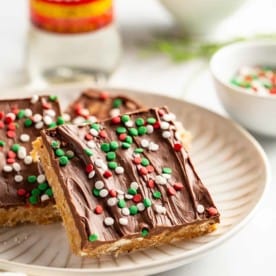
(171, 191)
(21, 192)
(178, 186)
(151, 183)
(104, 95)
(116, 120)
(137, 198)
(103, 134)
(143, 171)
(177, 147)
(122, 137)
(112, 193)
(137, 160)
(98, 209)
(212, 211)
(107, 174)
(89, 168)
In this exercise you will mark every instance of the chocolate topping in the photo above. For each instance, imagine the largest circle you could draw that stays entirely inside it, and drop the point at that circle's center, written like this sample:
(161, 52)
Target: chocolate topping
(22, 181)
(130, 176)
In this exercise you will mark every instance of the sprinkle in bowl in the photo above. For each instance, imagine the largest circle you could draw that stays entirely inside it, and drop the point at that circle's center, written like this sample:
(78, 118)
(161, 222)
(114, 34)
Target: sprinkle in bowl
(246, 102)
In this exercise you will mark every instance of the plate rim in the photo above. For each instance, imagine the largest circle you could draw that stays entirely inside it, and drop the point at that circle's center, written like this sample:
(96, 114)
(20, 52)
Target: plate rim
(175, 261)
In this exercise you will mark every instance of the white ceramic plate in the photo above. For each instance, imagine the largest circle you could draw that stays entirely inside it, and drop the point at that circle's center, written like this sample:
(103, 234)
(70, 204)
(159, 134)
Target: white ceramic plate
(232, 165)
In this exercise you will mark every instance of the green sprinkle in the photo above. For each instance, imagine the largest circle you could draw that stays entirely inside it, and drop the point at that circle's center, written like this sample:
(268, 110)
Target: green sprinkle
(142, 130)
(114, 145)
(268, 85)
(125, 118)
(49, 192)
(31, 178)
(88, 152)
(132, 191)
(15, 147)
(129, 140)
(147, 202)
(42, 186)
(139, 122)
(151, 120)
(36, 192)
(133, 210)
(96, 126)
(139, 150)
(125, 145)
(145, 162)
(52, 125)
(21, 114)
(121, 130)
(63, 160)
(96, 192)
(53, 98)
(105, 147)
(2, 143)
(55, 144)
(167, 170)
(121, 203)
(133, 131)
(59, 152)
(28, 123)
(117, 103)
(111, 156)
(156, 194)
(33, 199)
(93, 237)
(144, 232)
(112, 165)
(60, 121)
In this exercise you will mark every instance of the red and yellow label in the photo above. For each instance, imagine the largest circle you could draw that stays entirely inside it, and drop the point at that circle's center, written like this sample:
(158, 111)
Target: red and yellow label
(71, 16)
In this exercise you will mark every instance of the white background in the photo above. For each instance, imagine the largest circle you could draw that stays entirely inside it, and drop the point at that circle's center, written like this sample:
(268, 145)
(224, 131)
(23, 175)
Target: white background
(253, 250)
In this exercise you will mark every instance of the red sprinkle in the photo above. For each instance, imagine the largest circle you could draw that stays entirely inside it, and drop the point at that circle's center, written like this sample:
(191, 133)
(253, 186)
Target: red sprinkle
(1, 124)
(156, 125)
(88, 136)
(8, 120)
(46, 105)
(10, 160)
(103, 133)
(116, 120)
(137, 160)
(2, 114)
(98, 209)
(112, 193)
(11, 134)
(122, 137)
(178, 186)
(212, 211)
(177, 147)
(104, 95)
(273, 90)
(12, 126)
(161, 112)
(171, 191)
(137, 198)
(11, 154)
(143, 171)
(151, 183)
(150, 168)
(107, 174)
(21, 192)
(15, 110)
(89, 168)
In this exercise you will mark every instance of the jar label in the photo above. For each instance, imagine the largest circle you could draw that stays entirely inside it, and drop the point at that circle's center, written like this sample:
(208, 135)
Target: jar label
(71, 16)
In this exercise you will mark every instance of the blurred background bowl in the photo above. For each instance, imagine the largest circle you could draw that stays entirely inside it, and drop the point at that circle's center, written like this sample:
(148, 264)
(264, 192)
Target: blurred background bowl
(255, 112)
(200, 16)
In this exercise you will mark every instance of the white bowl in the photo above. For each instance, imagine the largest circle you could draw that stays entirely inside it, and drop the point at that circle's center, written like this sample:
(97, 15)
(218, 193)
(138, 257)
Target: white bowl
(255, 112)
(199, 16)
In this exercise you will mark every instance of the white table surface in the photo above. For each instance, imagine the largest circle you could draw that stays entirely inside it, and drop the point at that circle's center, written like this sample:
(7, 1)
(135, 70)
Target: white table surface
(253, 250)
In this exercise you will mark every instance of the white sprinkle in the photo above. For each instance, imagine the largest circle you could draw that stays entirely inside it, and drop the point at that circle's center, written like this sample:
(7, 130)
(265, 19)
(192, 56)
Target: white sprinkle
(91, 144)
(125, 211)
(7, 168)
(39, 125)
(159, 209)
(47, 120)
(28, 112)
(66, 117)
(11, 115)
(70, 153)
(41, 178)
(28, 160)
(128, 196)
(99, 184)
(91, 174)
(85, 112)
(120, 196)
(120, 192)
(159, 179)
(166, 134)
(94, 132)
(108, 221)
(119, 170)
(99, 163)
(123, 221)
(34, 99)
(168, 117)
(37, 118)
(129, 123)
(112, 201)
(16, 166)
(78, 120)
(44, 197)
(134, 185)
(103, 193)
(200, 208)
(114, 112)
(150, 129)
(22, 153)
(92, 119)
(164, 125)
(153, 146)
(140, 206)
(166, 175)
(144, 143)
(18, 178)
(49, 112)
(24, 138)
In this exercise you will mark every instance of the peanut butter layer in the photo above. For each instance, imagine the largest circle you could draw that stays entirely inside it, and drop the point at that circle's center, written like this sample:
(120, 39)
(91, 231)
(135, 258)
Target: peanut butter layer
(125, 183)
